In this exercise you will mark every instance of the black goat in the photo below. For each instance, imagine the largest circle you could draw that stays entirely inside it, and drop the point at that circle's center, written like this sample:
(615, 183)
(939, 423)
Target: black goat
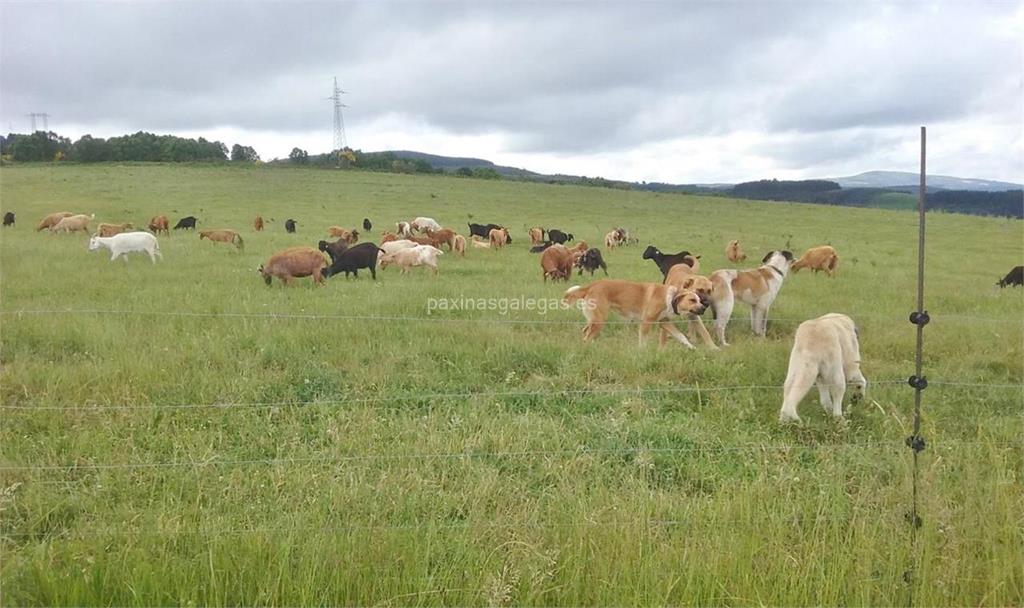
(591, 260)
(9, 218)
(186, 223)
(557, 236)
(667, 261)
(363, 255)
(1013, 278)
(333, 249)
(289, 225)
(484, 231)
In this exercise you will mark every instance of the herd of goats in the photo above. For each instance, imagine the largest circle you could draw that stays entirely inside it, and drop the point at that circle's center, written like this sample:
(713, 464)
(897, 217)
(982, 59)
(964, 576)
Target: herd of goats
(826, 350)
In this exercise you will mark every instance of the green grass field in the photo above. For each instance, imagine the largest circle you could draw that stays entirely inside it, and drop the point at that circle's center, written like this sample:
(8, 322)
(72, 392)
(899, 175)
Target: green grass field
(181, 434)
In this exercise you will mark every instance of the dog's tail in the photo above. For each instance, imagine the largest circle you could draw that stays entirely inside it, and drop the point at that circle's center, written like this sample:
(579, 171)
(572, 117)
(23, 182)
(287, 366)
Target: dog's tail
(575, 293)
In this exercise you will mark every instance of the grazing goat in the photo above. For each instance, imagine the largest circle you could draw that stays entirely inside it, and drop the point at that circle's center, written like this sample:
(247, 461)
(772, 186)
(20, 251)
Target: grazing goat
(460, 244)
(556, 263)
(289, 225)
(445, 236)
(818, 258)
(498, 238)
(615, 238)
(349, 236)
(666, 261)
(404, 229)
(425, 224)
(257, 224)
(734, 253)
(1014, 278)
(393, 246)
(484, 231)
(186, 223)
(537, 235)
(159, 224)
(363, 255)
(222, 236)
(557, 236)
(420, 255)
(332, 249)
(74, 223)
(591, 260)
(126, 242)
(9, 218)
(52, 220)
(112, 229)
(293, 263)
(367, 226)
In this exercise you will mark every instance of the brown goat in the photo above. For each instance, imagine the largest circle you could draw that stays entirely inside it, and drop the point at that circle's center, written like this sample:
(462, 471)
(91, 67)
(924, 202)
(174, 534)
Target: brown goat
(51, 220)
(498, 237)
(444, 236)
(349, 236)
(734, 253)
(106, 230)
(818, 258)
(460, 244)
(224, 235)
(536, 235)
(73, 223)
(387, 237)
(292, 263)
(160, 224)
(257, 224)
(420, 240)
(556, 262)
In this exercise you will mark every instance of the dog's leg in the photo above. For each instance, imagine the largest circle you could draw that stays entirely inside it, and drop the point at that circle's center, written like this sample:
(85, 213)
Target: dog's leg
(723, 312)
(837, 388)
(799, 379)
(697, 326)
(668, 326)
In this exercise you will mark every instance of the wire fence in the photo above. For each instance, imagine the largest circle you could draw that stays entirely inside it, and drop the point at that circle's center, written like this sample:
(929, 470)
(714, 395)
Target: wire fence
(502, 319)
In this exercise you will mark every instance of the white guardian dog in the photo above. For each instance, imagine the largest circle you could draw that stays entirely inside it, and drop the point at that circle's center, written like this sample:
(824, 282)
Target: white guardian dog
(826, 350)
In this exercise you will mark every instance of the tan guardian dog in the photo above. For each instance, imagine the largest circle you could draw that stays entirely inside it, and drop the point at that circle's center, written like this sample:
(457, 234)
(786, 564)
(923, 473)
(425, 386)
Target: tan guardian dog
(648, 303)
(757, 288)
(684, 278)
(826, 350)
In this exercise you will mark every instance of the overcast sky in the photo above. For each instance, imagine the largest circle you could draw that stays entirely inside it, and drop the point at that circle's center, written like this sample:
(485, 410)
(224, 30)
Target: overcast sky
(659, 91)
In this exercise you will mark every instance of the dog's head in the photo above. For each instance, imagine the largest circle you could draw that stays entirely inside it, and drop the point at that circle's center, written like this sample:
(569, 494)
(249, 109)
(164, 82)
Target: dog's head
(700, 285)
(687, 301)
(780, 260)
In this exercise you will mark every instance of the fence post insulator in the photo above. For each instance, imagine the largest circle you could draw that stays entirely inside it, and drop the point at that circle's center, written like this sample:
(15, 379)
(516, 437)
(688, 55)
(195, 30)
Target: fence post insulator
(916, 443)
(918, 382)
(920, 318)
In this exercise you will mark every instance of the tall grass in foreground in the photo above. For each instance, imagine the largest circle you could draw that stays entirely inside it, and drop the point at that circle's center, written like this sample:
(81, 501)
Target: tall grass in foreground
(458, 458)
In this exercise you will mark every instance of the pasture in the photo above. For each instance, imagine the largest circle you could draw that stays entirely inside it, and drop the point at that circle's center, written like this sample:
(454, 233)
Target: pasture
(183, 434)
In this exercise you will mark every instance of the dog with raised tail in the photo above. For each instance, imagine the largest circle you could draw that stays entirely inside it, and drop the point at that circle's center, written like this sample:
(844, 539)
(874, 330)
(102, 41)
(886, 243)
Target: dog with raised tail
(757, 287)
(826, 351)
(648, 303)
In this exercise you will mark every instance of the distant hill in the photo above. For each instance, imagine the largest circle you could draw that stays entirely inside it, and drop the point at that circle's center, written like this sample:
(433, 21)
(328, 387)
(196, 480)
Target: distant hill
(903, 179)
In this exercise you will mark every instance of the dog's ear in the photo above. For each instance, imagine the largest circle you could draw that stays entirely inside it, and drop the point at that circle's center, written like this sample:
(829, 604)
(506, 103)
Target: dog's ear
(688, 283)
(767, 257)
(788, 255)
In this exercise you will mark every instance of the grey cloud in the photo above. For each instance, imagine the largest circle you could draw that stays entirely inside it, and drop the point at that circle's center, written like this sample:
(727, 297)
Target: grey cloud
(563, 78)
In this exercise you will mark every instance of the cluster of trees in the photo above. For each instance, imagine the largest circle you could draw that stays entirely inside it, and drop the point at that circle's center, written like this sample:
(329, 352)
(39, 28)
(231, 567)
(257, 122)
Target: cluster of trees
(138, 147)
(1009, 203)
(775, 190)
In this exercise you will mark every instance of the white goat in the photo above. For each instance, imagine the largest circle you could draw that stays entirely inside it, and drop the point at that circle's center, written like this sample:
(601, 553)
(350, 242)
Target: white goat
(126, 242)
(424, 224)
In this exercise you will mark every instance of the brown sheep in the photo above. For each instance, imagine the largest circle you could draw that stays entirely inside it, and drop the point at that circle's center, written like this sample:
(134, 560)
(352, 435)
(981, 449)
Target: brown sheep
(292, 263)
(556, 263)
(536, 235)
(734, 253)
(222, 236)
(160, 224)
(106, 230)
(257, 224)
(818, 258)
(444, 236)
(73, 223)
(498, 237)
(51, 220)
(460, 244)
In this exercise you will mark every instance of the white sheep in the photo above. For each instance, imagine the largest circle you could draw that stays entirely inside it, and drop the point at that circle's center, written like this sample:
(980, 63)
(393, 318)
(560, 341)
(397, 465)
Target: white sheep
(126, 242)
